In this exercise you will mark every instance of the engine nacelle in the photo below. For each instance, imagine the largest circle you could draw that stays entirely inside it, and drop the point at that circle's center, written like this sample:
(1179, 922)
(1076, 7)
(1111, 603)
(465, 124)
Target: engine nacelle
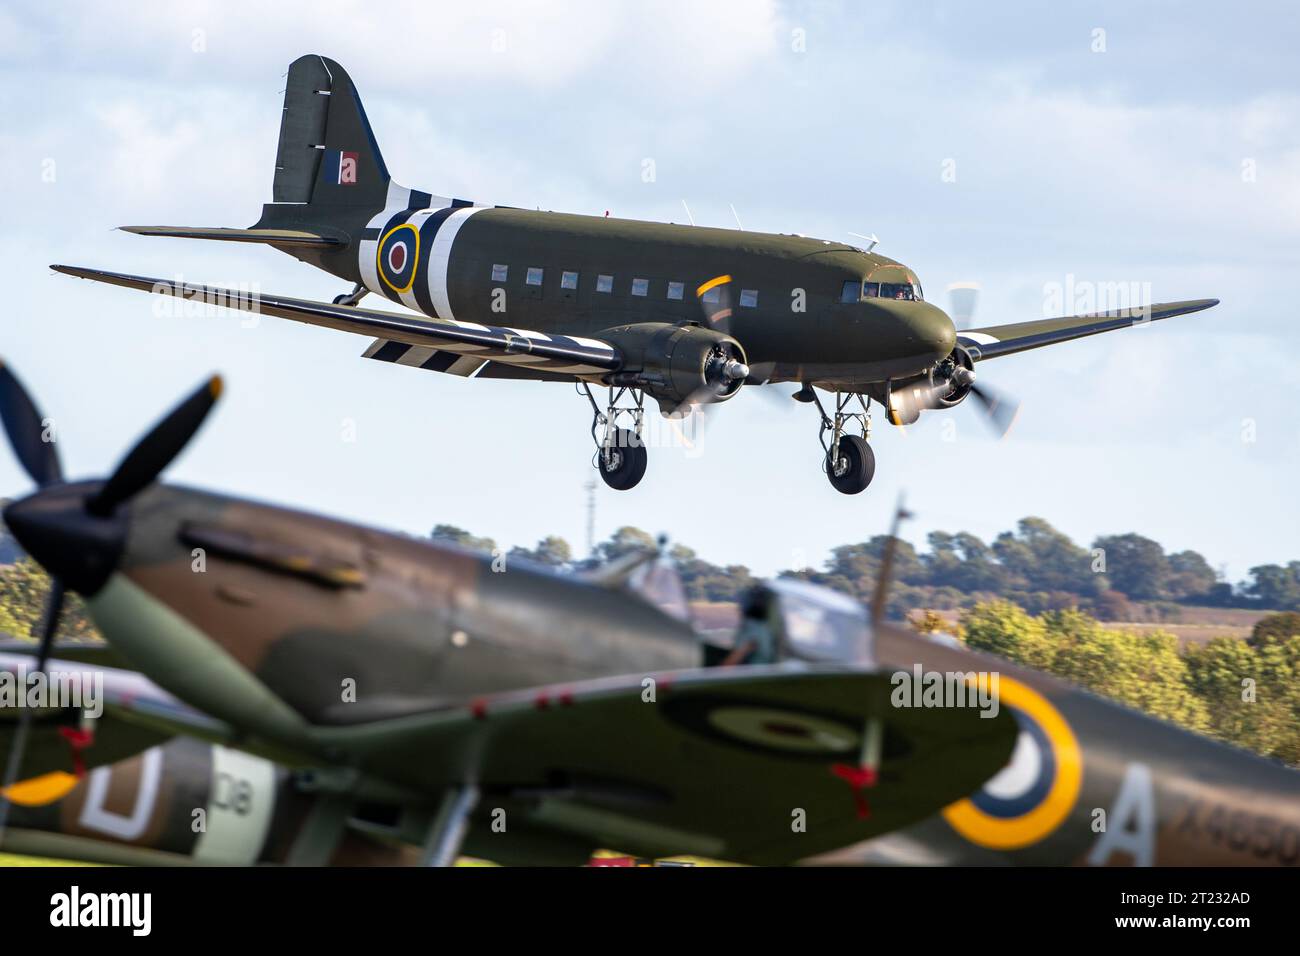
(676, 364)
(958, 371)
(944, 386)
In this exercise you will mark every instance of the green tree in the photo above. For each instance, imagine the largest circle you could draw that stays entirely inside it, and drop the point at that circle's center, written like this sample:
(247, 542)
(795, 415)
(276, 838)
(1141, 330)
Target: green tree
(1250, 693)
(454, 535)
(1275, 586)
(1190, 576)
(1135, 566)
(23, 590)
(551, 550)
(625, 540)
(1144, 671)
(1003, 628)
(1275, 628)
(1045, 559)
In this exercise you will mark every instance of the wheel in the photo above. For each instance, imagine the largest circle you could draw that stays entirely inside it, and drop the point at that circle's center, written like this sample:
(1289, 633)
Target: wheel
(339, 299)
(624, 466)
(855, 467)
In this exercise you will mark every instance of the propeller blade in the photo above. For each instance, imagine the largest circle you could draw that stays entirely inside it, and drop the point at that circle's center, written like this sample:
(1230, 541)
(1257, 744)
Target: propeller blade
(962, 298)
(155, 451)
(1000, 410)
(25, 427)
(13, 767)
(884, 578)
(49, 621)
(715, 302)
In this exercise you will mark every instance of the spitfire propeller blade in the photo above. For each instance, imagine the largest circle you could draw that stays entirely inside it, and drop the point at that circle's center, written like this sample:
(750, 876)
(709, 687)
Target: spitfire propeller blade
(78, 540)
(25, 427)
(155, 451)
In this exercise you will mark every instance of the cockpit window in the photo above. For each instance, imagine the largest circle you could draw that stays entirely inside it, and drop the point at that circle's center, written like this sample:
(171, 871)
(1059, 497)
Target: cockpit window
(908, 291)
(898, 290)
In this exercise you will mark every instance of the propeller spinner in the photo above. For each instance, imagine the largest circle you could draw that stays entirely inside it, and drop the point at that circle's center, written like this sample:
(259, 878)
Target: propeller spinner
(77, 531)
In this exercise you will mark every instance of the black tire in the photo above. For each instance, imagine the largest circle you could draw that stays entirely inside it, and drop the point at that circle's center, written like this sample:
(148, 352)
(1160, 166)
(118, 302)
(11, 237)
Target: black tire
(855, 468)
(624, 466)
(338, 299)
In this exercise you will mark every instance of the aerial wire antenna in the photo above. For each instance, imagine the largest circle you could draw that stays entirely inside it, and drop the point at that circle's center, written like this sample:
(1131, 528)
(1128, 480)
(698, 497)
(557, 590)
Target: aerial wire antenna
(871, 240)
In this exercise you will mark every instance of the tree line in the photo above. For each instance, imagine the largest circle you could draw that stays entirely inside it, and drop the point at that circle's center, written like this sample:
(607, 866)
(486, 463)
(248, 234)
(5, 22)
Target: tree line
(1118, 577)
(1244, 692)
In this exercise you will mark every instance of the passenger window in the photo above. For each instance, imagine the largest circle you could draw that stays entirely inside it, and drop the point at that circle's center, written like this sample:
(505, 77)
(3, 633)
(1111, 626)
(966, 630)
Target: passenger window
(640, 286)
(870, 290)
(534, 275)
(712, 296)
(675, 290)
(604, 283)
(851, 291)
(568, 280)
(500, 272)
(749, 298)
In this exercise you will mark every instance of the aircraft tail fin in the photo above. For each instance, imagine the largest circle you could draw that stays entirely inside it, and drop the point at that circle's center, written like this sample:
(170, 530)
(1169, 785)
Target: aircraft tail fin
(327, 153)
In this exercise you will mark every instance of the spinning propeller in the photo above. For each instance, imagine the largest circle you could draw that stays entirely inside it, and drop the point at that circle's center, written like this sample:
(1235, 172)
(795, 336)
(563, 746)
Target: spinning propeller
(77, 531)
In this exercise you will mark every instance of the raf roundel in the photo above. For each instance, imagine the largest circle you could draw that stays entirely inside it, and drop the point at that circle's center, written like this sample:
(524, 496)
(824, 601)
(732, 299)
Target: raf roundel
(398, 256)
(1036, 790)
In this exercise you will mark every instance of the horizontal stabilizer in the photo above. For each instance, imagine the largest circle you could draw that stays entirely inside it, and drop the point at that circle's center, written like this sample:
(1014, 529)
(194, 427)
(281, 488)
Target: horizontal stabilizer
(276, 237)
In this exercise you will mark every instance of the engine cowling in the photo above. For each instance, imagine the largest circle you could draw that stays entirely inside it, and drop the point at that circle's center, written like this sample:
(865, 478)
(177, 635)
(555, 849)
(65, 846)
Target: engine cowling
(677, 364)
(946, 385)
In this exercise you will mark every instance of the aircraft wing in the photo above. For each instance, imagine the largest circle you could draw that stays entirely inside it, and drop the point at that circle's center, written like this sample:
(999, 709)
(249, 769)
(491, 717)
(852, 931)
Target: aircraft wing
(747, 764)
(423, 342)
(136, 715)
(997, 340)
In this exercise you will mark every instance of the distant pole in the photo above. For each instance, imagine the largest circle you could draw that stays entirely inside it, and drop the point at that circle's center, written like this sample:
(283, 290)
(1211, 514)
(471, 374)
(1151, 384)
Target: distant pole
(591, 516)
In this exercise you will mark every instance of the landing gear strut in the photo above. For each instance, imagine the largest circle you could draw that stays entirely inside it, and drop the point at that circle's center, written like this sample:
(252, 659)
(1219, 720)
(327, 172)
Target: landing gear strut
(352, 298)
(850, 463)
(620, 453)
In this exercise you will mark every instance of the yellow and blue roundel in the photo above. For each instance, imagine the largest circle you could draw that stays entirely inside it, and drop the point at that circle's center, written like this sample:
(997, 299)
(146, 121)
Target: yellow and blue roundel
(398, 255)
(1031, 796)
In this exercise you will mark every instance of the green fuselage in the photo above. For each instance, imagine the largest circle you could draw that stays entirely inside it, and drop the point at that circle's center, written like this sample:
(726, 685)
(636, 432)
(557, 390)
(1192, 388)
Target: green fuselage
(784, 303)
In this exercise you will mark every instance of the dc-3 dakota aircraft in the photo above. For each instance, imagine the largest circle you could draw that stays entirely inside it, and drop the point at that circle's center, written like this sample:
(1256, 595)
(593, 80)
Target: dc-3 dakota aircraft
(528, 715)
(317, 692)
(685, 315)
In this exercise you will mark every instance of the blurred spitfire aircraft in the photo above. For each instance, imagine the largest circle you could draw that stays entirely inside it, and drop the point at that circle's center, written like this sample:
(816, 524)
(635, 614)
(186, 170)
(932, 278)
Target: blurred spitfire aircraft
(684, 315)
(528, 715)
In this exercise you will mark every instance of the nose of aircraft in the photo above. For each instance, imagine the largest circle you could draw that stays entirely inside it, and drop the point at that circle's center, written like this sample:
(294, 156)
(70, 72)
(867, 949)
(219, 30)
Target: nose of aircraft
(55, 528)
(932, 330)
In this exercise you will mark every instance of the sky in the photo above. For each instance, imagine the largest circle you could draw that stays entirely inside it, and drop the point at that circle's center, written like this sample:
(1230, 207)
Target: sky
(1028, 147)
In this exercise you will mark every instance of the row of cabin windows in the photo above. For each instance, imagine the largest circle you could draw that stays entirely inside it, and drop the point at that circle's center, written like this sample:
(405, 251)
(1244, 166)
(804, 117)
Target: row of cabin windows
(855, 291)
(605, 284)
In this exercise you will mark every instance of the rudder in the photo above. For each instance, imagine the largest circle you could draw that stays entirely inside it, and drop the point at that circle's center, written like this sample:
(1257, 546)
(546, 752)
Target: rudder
(327, 153)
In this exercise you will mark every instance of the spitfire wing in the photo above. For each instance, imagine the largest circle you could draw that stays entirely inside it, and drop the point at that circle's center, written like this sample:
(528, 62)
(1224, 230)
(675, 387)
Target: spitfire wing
(751, 765)
(136, 715)
(998, 340)
(420, 340)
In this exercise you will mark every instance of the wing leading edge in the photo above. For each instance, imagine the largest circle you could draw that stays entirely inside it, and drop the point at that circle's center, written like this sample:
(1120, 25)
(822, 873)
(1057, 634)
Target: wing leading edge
(998, 340)
(564, 354)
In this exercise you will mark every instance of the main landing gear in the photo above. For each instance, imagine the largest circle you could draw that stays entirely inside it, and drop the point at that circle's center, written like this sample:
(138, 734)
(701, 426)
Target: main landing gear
(850, 463)
(620, 453)
(352, 298)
